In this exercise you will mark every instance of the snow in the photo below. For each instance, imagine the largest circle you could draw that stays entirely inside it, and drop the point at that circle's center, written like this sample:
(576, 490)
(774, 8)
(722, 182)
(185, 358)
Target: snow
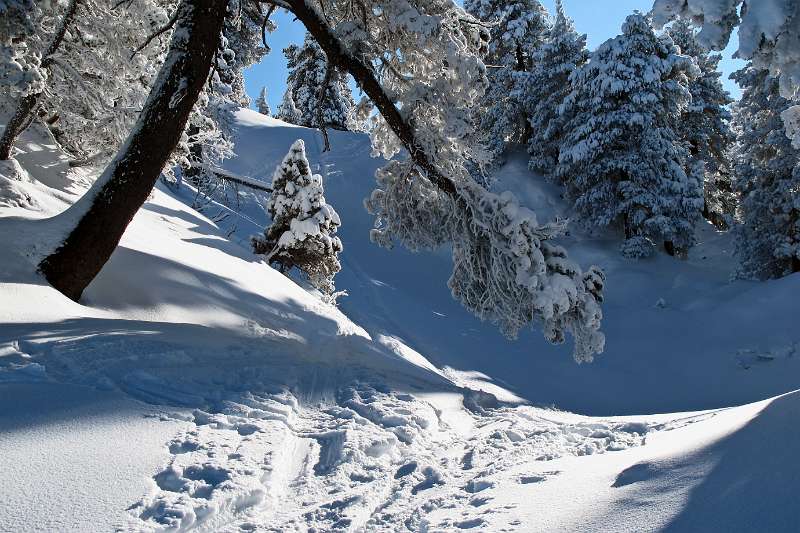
(52, 439)
(196, 388)
(674, 358)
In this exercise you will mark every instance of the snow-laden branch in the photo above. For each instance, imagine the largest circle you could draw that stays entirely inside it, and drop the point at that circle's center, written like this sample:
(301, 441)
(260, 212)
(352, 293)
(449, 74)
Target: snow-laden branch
(769, 36)
(506, 269)
(339, 56)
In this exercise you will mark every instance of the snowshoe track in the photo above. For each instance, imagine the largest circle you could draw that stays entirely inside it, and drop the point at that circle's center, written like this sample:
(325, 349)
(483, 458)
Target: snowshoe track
(366, 459)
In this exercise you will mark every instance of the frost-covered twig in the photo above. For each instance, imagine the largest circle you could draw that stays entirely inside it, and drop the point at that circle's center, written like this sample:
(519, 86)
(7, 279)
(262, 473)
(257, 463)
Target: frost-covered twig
(166, 27)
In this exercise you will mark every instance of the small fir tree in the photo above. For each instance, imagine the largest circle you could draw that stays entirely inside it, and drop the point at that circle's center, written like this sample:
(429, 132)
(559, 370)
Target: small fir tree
(303, 229)
(287, 110)
(262, 105)
(705, 128)
(768, 179)
(622, 159)
(548, 85)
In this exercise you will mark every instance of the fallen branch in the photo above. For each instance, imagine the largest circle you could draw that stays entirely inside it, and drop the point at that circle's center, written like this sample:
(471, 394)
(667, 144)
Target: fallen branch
(245, 181)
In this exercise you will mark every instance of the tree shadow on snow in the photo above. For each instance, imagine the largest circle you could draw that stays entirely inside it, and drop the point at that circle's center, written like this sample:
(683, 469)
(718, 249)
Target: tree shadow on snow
(747, 481)
(755, 483)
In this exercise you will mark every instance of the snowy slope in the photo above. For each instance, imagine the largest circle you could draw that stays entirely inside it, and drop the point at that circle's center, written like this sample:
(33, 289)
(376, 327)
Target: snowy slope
(680, 336)
(196, 388)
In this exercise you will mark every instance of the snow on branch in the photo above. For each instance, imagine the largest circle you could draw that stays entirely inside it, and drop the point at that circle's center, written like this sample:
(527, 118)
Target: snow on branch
(769, 36)
(506, 267)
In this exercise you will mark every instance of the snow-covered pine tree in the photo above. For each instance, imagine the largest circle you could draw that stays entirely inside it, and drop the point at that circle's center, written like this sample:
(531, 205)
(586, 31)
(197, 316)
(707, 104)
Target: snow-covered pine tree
(287, 110)
(262, 105)
(302, 233)
(244, 39)
(308, 72)
(768, 36)
(545, 89)
(768, 179)
(621, 159)
(705, 127)
(517, 29)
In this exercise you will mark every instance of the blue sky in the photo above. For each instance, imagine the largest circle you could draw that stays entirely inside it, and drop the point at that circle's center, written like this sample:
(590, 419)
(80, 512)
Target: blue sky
(599, 19)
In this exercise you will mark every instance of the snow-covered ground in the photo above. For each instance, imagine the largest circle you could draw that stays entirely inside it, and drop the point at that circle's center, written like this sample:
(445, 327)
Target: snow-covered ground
(198, 388)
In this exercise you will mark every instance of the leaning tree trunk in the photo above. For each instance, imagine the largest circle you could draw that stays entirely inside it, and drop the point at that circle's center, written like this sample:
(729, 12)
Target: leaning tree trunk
(129, 178)
(339, 57)
(28, 104)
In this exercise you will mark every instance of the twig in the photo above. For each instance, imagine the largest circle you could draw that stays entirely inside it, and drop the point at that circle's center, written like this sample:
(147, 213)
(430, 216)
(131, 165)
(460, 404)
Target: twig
(165, 28)
(264, 25)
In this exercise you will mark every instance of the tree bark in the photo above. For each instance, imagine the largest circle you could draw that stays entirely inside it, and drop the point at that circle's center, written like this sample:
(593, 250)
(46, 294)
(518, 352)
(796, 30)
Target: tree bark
(321, 93)
(127, 181)
(338, 56)
(28, 104)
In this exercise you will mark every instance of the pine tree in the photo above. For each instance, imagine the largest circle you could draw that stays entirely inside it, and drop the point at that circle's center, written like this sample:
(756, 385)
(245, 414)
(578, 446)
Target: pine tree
(768, 36)
(768, 179)
(287, 110)
(548, 85)
(621, 157)
(705, 127)
(262, 105)
(518, 28)
(303, 229)
(308, 72)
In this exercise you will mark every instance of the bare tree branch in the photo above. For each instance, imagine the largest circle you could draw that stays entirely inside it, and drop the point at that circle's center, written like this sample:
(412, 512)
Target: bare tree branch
(264, 25)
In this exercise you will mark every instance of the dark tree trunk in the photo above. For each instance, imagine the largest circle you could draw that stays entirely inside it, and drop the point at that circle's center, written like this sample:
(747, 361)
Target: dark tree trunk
(527, 130)
(129, 178)
(28, 104)
(321, 94)
(25, 108)
(669, 247)
(339, 57)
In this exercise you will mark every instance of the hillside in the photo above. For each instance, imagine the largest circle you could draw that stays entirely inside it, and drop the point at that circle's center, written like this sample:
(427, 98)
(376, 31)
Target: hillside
(680, 335)
(195, 387)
